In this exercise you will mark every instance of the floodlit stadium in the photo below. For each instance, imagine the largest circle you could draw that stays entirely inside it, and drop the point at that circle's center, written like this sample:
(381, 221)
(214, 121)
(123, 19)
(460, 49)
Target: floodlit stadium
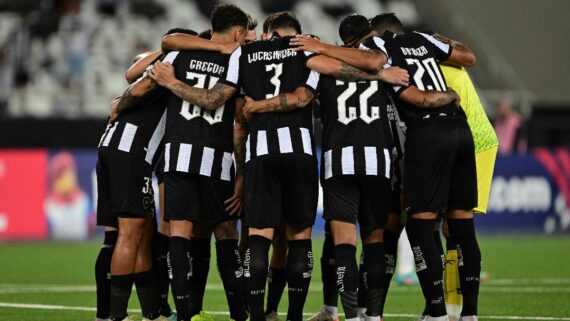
(289, 160)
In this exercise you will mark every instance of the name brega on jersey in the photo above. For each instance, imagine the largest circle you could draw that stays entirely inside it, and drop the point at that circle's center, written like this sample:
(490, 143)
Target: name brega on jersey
(421, 51)
(271, 55)
(206, 66)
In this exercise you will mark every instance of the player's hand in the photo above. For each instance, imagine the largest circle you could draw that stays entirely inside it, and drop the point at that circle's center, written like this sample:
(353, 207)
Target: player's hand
(234, 203)
(228, 48)
(114, 113)
(248, 109)
(395, 75)
(162, 73)
(453, 94)
(303, 42)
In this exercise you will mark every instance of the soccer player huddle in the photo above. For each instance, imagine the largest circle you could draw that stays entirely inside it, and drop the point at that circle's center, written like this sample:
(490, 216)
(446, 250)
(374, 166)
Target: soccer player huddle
(226, 123)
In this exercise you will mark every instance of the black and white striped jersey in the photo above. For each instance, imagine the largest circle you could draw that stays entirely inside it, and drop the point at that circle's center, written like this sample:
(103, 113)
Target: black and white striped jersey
(356, 137)
(263, 69)
(140, 129)
(197, 140)
(420, 54)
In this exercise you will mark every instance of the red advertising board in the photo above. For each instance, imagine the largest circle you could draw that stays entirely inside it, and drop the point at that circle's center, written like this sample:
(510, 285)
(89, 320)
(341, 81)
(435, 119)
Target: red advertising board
(22, 194)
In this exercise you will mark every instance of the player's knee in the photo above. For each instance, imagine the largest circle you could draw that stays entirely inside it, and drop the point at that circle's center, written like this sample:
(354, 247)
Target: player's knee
(226, 231)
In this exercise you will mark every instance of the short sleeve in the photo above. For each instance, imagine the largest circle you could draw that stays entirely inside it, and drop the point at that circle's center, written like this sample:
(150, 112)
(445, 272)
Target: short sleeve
(442, 50)
(312, 81)
(231, 75)
(374, 43)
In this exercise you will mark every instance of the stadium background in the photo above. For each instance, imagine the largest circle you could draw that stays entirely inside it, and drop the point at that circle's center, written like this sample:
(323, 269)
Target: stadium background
(61, 62)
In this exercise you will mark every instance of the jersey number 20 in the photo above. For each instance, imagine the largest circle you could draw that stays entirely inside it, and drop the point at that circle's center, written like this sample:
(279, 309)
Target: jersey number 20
(192, 111)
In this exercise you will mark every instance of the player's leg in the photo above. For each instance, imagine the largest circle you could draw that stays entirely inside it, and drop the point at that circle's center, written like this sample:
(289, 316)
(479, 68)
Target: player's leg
(263, 212)
(181, 208)
(161, 242)
(230, 269)
(200, 253)
(105, 218)
(123, 264)
(462, 200)
(299, 183)
(391, 236)
(256, 265)
(144, 275)
(277, 274)
(329, 310)
(453, 297)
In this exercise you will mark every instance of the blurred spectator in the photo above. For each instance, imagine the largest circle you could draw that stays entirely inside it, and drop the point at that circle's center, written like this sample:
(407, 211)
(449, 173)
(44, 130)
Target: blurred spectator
(509, 126)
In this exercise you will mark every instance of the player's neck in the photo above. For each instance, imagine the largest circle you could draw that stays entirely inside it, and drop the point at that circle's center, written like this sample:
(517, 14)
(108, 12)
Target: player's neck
(222, 37)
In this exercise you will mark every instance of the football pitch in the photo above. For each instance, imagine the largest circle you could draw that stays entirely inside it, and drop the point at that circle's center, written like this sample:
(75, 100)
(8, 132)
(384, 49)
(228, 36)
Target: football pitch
(530, 280)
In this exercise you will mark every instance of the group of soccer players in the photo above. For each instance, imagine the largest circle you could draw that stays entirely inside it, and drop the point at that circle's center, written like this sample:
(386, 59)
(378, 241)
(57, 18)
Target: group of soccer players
(226, 123)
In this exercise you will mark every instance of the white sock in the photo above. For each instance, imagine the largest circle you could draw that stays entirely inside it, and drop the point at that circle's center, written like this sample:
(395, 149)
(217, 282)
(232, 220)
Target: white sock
(330, 310)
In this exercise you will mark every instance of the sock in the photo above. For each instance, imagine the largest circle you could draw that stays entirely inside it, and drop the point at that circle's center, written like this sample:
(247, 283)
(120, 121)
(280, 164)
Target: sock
(121, 286)
(200, 255)
(347, 278)
(391, 255)
(453, 297)
(362, 289)
(277, 279)
(179, 273)
(328, 270)
(429, 267)
(231, 272)
(103, 274)
(469, 261)
(375, 277)
(146, 292)
(299, 270)
(255, 266)
(160, 268)
(439, 244)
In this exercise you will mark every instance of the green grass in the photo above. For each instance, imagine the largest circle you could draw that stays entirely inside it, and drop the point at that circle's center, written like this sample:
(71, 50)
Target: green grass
(530, 278)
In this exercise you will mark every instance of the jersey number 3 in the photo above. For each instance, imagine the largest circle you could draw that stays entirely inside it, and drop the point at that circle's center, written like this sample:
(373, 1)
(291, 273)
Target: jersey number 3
(275, 81)
(192, 111)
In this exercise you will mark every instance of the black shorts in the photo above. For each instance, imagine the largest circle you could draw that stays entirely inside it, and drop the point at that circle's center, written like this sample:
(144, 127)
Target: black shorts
(361, 198)
(440, 166)
(194, 197)
(124, 187)
(281, 189)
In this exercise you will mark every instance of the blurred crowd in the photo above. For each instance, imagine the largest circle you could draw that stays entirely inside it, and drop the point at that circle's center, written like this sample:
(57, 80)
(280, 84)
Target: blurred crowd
(65, 58)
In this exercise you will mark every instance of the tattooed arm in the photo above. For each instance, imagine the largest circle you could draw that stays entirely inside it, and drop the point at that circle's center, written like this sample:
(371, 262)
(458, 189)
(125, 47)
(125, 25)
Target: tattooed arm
(429, 98)
(210, 99)
(282, 103)
(134, 93)
(234, 203)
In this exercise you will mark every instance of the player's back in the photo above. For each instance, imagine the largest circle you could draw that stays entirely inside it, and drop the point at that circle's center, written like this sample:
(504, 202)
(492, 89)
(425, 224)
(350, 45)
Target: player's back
(196, 137)
(267, 69)
(420, 54)
(139, 130)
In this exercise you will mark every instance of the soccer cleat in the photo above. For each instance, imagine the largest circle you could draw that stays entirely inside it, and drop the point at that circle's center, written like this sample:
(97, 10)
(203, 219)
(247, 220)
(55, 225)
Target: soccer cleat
(422, 318)
(323, 315)
(202, 316)
(407, 279)
(468, 318)
(273, 316)
(442, 318)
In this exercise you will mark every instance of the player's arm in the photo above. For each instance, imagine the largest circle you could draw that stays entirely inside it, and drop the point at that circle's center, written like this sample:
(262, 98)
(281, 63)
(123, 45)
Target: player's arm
(182, 41)
(345, 72)
(141, 62)
(282, 103)
(134, 93)
(210, 99)
(460, 55)
(363, 59)
(234, 203)
(429, 98)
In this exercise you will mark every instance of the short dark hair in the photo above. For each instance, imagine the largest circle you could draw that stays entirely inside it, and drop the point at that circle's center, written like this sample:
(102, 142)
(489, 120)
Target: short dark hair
(353, 28)
(225, 16)
(283, 19)
(206, 34)
(181, 30)
(252, 22)
(387, 21)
